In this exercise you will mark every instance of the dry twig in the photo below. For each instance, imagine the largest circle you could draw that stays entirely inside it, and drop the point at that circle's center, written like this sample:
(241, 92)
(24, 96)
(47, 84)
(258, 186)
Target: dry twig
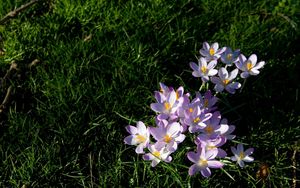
(15, 12)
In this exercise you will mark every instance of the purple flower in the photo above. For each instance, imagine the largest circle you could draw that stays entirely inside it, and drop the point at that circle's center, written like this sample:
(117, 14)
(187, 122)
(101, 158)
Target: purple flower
(169, 134)
(139, 136)
(249, 66)
(225, 81)
(167, 105)
(212, 125)
(196, 119)
(241, 156)
(210, 143)
(158, 152)
(203, 161)
(225, 130)
(203, 69)
(229, 57)
(211, 52)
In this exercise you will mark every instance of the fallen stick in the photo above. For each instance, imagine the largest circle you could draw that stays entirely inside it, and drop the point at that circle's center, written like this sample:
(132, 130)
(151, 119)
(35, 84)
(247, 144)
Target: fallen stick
(15, 12)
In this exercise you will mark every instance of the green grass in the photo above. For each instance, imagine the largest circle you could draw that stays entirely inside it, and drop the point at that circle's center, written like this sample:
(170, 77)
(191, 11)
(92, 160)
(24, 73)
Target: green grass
(65, 122)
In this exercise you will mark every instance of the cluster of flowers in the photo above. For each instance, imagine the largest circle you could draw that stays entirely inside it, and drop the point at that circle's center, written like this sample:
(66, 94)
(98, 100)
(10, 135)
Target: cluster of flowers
(178, 114)
(211, 54)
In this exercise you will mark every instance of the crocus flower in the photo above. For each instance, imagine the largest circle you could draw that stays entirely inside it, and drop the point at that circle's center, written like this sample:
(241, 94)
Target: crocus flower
(211, 52)
(168, 106)
(249, 66)
(241, 156)
(158, 152)
(225, 130)
(203, 69)
(229, 57)
(196, 119)
(139, 136)
(226, 81)
(203, 161)
(207, 101)
(210, 143)
(212, 125)
(169, 134)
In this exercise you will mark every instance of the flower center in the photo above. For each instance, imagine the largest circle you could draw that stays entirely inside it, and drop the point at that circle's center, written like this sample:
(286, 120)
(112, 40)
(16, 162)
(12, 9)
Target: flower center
(202, 162)
(167, 105)
(167, 138)
(156, 154)
(211, 51)
(229, 57)
(140, 138)
(249, 65)
(226, 81)
(209, 129)
(191, 110)
(203, 69)
(211, 147)
(242, 155)
(196, 120)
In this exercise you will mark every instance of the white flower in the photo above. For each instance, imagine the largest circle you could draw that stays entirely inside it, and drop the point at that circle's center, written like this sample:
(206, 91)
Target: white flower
(211, 52)
(203, 69)
(249, 66)
(241, 156)
(225, 81)
(139, 136)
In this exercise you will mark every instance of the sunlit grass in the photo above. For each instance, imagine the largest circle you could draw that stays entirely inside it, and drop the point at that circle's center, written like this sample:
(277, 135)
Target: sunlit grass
(101, 61)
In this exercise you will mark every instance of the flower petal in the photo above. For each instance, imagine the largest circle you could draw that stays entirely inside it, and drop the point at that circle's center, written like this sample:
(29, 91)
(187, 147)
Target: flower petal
(215, 164)
(192, 156)
(194, 66)
(233, 74)
(249, 151)
(248, 159)
(219, 87)
(253, 59)
(206, 172)
(245, 74)
(223, 73)
(140, 149)
(206, 46)
(240, 148)
(131, 129)
(215, 46)
(260, 65)
(241, 163)
(212, 72)
(157, 107)
(193, 169)
(212, 64)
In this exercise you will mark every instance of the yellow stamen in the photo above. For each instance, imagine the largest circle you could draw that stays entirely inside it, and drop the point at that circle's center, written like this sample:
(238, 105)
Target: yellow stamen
(225, 82)
(242, 155)
(156, 154)
(167, 106)
(203, 69)
(205, 103)
(140, 138)
(209, 129)
(177, 95)
(202, 162)
(196, 120)
(167, 138)
(229, 56)
(249, 65)
(191, 110)
(211, 147)
(211, 51)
